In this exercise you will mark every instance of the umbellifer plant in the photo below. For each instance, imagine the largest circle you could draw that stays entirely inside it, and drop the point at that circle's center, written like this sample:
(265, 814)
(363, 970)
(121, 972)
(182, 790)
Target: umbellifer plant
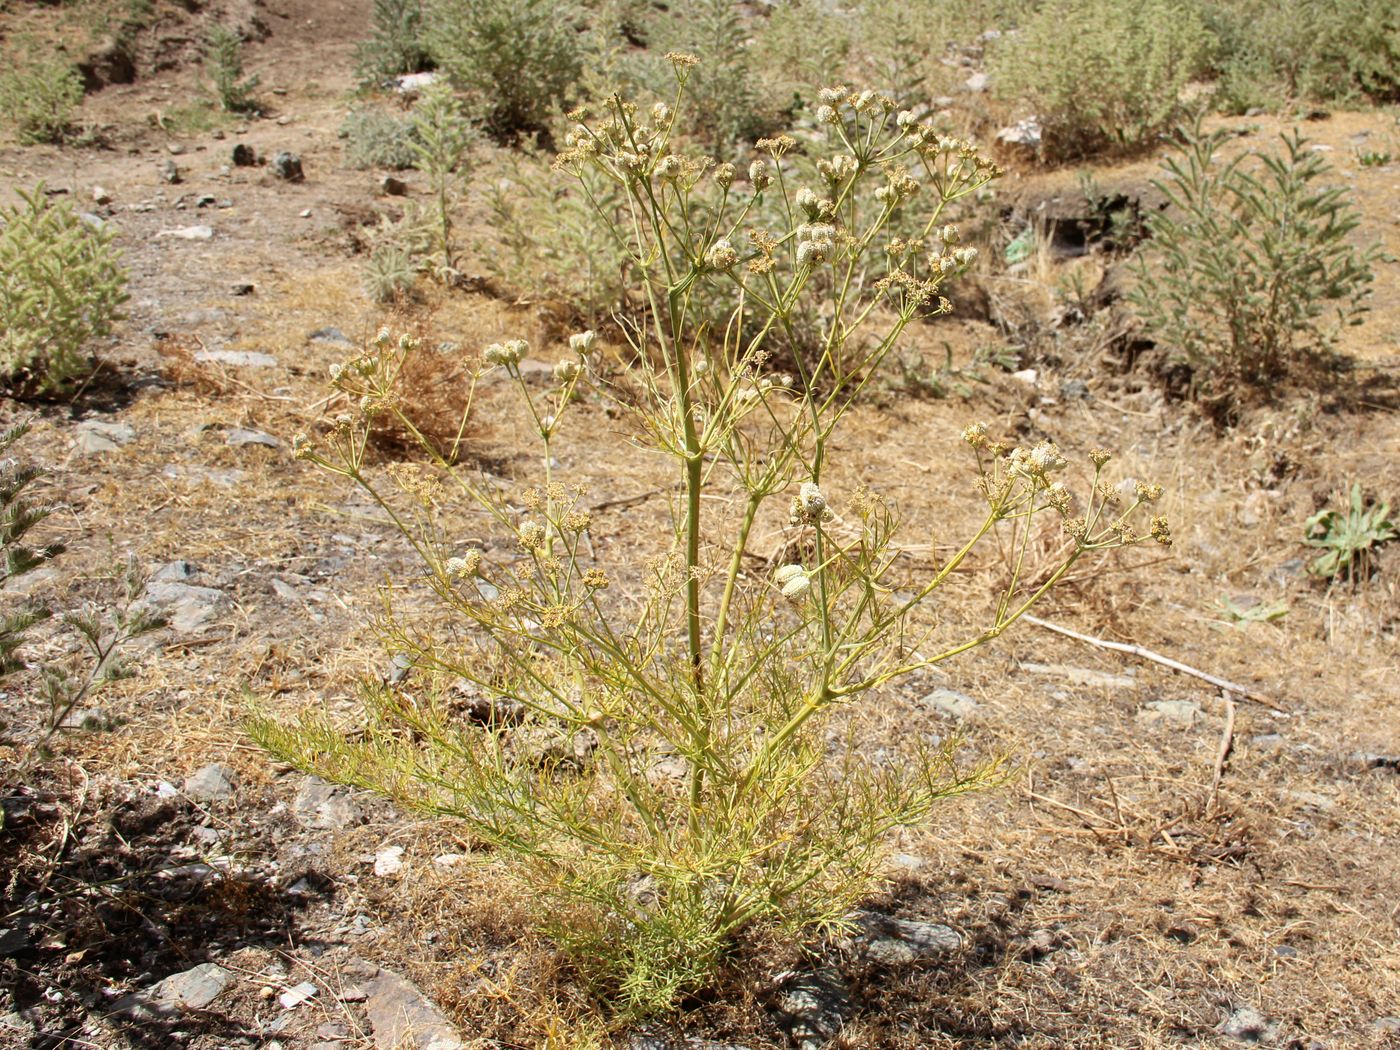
(652, 760)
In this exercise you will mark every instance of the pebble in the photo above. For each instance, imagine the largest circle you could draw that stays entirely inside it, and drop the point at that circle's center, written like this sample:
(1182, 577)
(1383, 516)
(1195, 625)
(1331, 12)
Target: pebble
(192, 989)
(189, 233)
(324, 806)
(170, 172)
(388, 861)
(236, 358)
(978, 82)
(244, 156)
(1248, 1025)
(187, 607)
(213, 783)
(100, 195)
(94, 437)
(393, 187)
(239, 437)
(296, 995)
(245, 288)
(951, 703)
(1178, 712)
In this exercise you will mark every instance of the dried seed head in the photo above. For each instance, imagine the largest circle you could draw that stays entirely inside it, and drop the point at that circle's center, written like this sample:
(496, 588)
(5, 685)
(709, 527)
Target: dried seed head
(1161, 531)
(724, 175)
(759, 177)
(975, 434)
(532, 536)
(721, 255)
(506, 354)
(567, 370)
(582, 342)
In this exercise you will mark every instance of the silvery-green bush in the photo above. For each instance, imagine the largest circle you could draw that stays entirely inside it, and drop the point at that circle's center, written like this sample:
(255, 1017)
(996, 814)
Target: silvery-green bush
(61, 286)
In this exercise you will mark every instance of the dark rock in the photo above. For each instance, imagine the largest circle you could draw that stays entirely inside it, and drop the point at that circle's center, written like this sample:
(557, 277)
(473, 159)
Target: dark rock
(898, 942)
(109, 62)
(170, 172)
(244, 156)
(245, 288)
(287, 166)
(192, 989)
(205, 200)
(393, 187)
(812, 1007)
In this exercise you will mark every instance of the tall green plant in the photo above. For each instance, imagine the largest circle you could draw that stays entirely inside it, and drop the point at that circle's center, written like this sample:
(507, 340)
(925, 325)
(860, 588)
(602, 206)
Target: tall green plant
(61, 285)
(223, 65)
(37, 99)
(1252, 268)
(440, 140)
(649, 744)
(396, 45)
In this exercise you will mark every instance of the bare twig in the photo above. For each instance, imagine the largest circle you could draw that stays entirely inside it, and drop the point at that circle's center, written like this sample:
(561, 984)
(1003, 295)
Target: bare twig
(1227, 741)
(1224, 685)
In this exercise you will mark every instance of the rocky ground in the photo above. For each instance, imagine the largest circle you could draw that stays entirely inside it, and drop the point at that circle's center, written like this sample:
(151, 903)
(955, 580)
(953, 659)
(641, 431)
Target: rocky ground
(1172, 867)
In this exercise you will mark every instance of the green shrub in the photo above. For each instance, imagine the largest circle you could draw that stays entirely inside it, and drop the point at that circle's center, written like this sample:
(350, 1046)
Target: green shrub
(223, 65)
(1102, 76)
(37, 99)
(1272, 52)
(375, 138)
(61, 285)
(440, 141)
(1251, 269)
(17, 516)
(396, 46)
(649, 741)
(516, 60)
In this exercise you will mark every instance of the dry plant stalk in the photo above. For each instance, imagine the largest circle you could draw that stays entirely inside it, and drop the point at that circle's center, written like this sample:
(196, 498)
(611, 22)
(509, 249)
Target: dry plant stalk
(656, 765)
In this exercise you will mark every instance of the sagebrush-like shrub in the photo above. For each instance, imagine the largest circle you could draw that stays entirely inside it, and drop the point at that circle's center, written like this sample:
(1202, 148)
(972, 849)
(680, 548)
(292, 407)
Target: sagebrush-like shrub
(37, 99)
(1252, 268)
(1271, 52)
(375, 138)
(396, 45)
(648, 741)
(1102, 75)
(515, 60)
(61, 285)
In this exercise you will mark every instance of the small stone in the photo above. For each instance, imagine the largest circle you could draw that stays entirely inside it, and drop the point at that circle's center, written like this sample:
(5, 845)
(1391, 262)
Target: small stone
(213, 783)
(283, 121)
(324, 806)
(285, 590)
(1028, 376)
(244, 156)
(388, 861)
(1178, 712)
(236, 358)
(101, 195)
(244, 288)
(189, 233)
(287, 166)
(95, 437)
(296, 995)
(413, 83)
(217, 135)
(449, 860)
(170, 172)
(1386, 1024)
(1248, 1025)
(393, 187)
(1082, 675)
(907, 861)
(206, 200)
(813, 1007)
(1372, 760)
(187, 607)
(898, 942)
(192, 989)
(334, 336)
(174, 148)
(978, 82)
(305, 213)
(402, 1019)
(1024, 133)
(96, 222)
(951, 703)
(1074, 390)
(173, 572)
(239, 437)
